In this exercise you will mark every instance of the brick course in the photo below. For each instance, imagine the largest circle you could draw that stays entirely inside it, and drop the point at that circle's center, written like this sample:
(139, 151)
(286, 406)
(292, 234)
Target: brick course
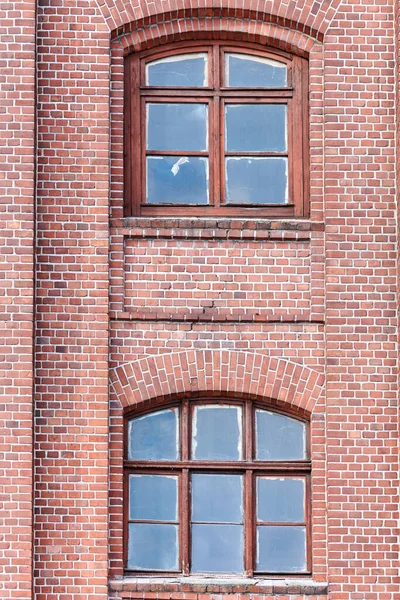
(298, 314)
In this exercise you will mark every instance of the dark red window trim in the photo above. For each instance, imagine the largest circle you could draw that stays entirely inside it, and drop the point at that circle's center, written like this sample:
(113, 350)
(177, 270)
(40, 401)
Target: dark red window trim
(295, 95)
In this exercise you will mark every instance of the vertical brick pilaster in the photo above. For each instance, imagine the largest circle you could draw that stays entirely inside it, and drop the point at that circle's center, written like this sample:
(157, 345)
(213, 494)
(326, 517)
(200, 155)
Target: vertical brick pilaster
(17, 108)
(361, 267)
(71, 498)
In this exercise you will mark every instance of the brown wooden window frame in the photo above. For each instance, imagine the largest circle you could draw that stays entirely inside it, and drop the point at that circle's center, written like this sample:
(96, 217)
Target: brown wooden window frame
(294, 95)
(249, 467)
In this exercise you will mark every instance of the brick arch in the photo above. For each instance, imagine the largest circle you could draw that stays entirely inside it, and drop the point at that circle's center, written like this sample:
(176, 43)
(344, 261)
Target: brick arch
(285, 383)
(311, 17)
(266, 34)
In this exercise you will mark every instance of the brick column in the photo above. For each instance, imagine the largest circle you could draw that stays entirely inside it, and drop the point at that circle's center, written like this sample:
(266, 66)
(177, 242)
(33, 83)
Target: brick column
(361, 255)
(71, 500)
(17, 108)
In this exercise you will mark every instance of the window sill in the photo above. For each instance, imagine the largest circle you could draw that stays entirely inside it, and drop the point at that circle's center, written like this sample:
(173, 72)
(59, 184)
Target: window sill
(216, 228)
(300, 585)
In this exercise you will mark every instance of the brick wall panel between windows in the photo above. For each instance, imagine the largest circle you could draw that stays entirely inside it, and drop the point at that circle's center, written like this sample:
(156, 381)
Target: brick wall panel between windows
(189, 277)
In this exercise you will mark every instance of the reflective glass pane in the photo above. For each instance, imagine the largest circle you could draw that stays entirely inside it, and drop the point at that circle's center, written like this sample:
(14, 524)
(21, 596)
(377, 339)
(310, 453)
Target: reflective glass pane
(217, 548)
(180, 126)
(153, 497)
(255, 128)
(179, 70)
(243, 70)
(279, 437)
(280, 499)
(217, 433)
(217, 498)
(177, 180)
(154, 436)
(153, 547)
(281, 549)
(256, 180)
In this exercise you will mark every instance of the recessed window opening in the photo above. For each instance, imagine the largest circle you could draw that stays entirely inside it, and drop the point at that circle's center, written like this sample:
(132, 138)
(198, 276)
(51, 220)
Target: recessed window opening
(213, 129)
(217, 488)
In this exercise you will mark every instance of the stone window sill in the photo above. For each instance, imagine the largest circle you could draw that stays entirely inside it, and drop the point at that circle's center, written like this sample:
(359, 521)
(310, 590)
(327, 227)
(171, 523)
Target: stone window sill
(216, 228)
(305, 586)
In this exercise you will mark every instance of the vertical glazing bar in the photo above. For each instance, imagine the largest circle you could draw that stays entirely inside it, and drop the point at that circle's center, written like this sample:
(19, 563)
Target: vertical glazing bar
(248, 524)
(185, 431)
(185, 522)
(248, 432)
(215, 139)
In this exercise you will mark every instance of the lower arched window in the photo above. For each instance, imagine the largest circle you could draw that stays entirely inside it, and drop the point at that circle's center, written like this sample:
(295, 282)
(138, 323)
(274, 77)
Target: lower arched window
(217, 487)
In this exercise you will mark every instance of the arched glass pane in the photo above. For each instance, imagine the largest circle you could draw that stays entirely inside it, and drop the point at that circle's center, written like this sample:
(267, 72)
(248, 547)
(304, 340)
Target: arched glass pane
(279, 437)
(244, 70)
(217, 433)
(182, 70)
(154, 436)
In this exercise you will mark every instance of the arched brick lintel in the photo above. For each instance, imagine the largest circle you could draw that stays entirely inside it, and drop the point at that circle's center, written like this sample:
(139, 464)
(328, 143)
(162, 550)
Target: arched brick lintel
(240, 374)
(267, 34)
(311, 17)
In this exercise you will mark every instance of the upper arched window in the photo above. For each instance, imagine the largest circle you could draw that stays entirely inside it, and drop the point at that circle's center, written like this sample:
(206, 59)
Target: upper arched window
(217, 487)
(216, 130)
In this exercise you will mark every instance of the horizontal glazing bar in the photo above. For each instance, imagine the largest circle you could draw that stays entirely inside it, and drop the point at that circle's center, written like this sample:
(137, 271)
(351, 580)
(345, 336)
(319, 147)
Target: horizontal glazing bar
(255, 153)
(153, 521)
(209, 93)
(231, 465)
(177, 153)
(217, 522)
(283, 523)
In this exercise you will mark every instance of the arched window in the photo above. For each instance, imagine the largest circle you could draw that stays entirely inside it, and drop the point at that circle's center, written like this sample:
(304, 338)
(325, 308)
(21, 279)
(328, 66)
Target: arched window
(213, 129)
(217, 487)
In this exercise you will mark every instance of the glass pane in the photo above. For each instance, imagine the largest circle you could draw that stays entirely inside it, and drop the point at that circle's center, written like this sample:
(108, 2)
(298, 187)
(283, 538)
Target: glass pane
(217, 433)
(177, 71)
(217, 548)
(256, 180)
(154, 436)
(255, 128)
(280, 499)
(177, 180)
(153, 547)
(176, 126)
(217, 498)
(281, 549)
(243, 70)
(153, 497)
(279, 437)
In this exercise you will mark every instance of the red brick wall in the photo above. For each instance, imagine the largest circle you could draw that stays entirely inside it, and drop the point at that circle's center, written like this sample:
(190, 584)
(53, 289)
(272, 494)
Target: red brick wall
(318, 334)
(361, 309)
(17, 93)
(352, 292)
(71, 433)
